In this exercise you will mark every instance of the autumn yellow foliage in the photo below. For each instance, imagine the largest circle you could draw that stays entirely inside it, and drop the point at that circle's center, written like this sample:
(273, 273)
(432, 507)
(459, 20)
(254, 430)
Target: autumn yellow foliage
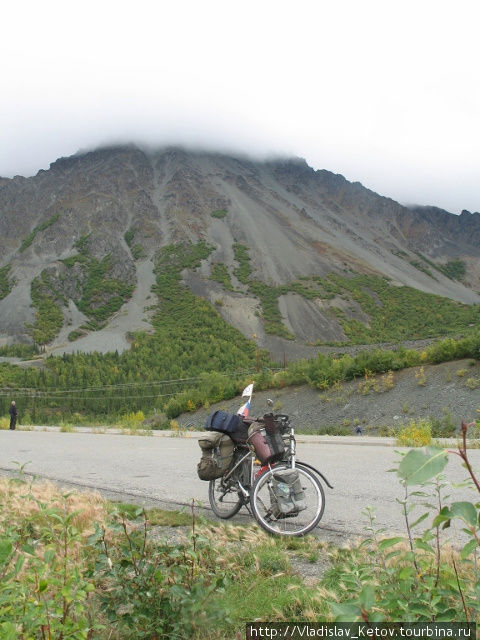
(418, 433)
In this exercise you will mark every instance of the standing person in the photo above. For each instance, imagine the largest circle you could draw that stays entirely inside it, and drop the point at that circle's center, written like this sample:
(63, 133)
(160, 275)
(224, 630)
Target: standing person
(13, 415)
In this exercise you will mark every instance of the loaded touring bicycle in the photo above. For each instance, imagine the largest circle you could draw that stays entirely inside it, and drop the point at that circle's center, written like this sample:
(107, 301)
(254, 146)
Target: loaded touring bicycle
(252, 462)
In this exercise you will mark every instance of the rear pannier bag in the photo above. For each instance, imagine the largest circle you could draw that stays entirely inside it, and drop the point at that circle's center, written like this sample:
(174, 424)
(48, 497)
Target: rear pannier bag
(268, 446)
(217, 455)
(222, 421)
(287, 497)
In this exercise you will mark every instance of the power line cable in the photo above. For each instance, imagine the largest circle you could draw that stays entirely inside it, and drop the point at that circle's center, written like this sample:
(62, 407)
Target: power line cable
(56, 392)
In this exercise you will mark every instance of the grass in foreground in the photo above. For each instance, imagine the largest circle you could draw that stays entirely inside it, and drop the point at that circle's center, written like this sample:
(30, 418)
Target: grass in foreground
(75, 566)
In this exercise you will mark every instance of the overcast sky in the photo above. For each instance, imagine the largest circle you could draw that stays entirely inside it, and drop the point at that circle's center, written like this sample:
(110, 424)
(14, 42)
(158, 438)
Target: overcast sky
(383, 92)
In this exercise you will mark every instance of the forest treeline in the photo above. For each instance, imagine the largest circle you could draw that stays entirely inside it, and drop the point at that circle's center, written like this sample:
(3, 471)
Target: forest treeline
(94, 387)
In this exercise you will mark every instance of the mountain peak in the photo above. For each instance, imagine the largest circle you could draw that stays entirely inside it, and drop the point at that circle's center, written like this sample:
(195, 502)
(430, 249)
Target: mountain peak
(108, 211)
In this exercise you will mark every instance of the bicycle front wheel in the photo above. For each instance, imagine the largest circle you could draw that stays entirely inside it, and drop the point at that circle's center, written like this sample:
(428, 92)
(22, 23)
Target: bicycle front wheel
(297, 523)
(225, 497)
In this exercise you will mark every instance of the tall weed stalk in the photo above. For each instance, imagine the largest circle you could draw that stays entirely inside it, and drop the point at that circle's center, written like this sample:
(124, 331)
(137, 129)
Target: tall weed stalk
(420, 577)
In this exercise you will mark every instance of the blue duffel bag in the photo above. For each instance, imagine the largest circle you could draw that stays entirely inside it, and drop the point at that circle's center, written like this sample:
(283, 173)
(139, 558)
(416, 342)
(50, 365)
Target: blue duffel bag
(222, 421)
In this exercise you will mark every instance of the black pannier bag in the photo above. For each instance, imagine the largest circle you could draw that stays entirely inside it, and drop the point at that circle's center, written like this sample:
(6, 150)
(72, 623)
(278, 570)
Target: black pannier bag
(269, 447)
(217, 455)
(240, 435)
(222, 421)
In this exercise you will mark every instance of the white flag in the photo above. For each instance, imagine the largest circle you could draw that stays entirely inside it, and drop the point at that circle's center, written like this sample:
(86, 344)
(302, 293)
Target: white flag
(248, 391)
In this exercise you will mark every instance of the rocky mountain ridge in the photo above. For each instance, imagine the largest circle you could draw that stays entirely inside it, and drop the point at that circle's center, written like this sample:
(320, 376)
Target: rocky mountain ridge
(102, 216)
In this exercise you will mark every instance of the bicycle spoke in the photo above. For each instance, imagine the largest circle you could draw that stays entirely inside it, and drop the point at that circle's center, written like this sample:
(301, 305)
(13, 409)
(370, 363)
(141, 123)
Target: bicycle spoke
(298, 522)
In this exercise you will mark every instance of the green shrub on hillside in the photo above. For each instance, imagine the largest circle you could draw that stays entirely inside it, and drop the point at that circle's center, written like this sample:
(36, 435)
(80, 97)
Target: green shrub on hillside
(394, 313)
(102, 295)
(268, 294)
(220, 213)
(137, 249)
(48, 316)
(138, 252)
(220, 274)
(5, 282)
(268, 297)
(325, 370)
(74, 335)
(421, 267)
(41, 227)
(454, 269)
(400, 313)
(129, 235)
(241, 256)
(99, 295)
(192, 332)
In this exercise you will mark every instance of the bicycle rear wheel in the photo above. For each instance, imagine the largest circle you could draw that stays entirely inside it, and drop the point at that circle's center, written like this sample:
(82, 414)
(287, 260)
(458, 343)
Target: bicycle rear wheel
(298, 523)
(225, 497)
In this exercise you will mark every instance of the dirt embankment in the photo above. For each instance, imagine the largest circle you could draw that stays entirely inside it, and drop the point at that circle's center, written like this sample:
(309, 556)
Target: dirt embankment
(447, 393)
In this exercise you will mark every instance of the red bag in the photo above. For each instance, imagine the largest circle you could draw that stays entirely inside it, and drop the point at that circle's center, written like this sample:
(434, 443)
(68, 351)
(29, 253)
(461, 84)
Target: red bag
(268, 446)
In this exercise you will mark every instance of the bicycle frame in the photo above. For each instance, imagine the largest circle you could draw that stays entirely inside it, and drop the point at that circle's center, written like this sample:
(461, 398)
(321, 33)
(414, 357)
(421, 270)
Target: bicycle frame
(292, 447)
(249, 454)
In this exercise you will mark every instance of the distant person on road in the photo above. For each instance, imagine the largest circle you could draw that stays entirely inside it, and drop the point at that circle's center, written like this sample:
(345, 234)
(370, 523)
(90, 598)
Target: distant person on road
(13, 415)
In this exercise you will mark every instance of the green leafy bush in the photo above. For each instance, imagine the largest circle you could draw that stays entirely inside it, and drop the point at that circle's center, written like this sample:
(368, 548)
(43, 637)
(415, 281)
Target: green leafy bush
(71, 568)
(421, 267)
(155, 590)
(418, 577)
(46, 587)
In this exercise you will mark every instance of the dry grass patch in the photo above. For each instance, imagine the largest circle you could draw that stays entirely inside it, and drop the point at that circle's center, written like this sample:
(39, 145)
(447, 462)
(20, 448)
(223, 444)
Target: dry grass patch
(22, 500)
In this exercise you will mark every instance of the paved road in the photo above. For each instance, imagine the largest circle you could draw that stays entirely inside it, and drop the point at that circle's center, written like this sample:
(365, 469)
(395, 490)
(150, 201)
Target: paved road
(162, 470)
